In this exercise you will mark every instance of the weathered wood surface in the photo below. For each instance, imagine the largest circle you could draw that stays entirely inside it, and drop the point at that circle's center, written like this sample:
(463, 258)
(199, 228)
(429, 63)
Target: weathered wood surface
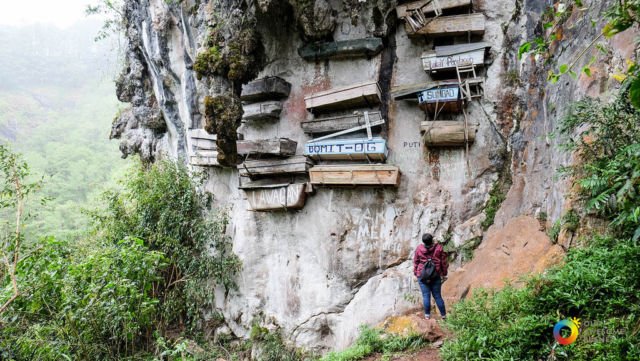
(262, 111)
(269, 88)
(355, 174)
(341, 49)
(442, 133)
(452, 25)
(283, 197)
(447, 57)
(353, 96)
(202, 134)
(427, 6)
(280, 147)
(348, 149)
(204, 144)
(410, 92)
(343, 122)
(258, 168)
(204, 158)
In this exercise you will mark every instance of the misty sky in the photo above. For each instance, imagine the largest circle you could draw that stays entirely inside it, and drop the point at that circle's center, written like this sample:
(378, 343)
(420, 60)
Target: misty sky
(61, 13)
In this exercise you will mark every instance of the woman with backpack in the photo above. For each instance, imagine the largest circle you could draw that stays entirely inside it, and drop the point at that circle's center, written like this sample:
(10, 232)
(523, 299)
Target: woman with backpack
(430, 266)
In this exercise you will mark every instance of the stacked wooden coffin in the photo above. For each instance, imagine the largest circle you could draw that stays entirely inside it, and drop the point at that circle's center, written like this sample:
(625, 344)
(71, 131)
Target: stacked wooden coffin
(336, 138)
(269, 175)
(453, 68)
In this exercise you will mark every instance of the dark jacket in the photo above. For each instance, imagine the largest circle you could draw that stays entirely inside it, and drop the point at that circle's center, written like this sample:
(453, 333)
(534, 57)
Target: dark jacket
(437, 255)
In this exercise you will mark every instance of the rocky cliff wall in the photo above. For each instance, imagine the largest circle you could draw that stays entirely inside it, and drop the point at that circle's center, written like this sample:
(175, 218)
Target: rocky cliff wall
(345, 258)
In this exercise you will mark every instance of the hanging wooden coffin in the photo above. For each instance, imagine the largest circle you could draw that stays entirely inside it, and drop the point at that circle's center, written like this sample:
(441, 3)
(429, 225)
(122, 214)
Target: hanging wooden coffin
(276, 197)
(447, 57)
(269, 88)
(204, 158)
(443, 133)
(441, 98)
(353, 96)
(268, 167)
(200, 139)
(355, 175)
(348, 149)
(343, 122)
(453, 25)
(428, 6)
(341, 49)
(262, 111)
(279, 147)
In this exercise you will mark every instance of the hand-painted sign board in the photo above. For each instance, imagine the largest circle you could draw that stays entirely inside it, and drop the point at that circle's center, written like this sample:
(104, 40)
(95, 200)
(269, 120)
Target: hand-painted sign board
(348, 149)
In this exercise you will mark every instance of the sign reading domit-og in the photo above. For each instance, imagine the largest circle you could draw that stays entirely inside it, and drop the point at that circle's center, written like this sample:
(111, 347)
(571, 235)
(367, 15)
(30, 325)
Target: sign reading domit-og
(348, 149)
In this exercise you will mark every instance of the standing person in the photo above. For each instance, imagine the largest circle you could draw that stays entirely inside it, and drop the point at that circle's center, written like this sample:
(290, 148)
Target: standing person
(434, 252)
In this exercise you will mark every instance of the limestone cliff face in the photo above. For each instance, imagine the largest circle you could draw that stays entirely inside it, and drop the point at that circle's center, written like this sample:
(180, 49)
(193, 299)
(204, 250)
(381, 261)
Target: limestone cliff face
(345, 258)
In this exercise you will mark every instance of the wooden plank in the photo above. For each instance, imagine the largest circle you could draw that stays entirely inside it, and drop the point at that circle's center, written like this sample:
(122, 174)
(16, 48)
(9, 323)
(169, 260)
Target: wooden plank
(343, 122)
(355, 174)
(202, 134)
(448, 57)
(353, 96)
(427, 6)
(262, 111)
(454, 25)
(288, 196)
(348, 149)
(268, 88)
(204, 144)
(443, 133)
(204, 159)
(280, 147)
(343, 49)
(257, 168)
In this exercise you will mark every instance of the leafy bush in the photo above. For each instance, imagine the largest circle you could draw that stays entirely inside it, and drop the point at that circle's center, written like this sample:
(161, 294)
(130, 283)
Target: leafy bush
(373, 341)
(150, 264)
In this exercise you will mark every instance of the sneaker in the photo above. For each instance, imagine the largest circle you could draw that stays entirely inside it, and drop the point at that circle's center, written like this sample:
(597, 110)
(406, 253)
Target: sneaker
(427, 317)
(444, 318)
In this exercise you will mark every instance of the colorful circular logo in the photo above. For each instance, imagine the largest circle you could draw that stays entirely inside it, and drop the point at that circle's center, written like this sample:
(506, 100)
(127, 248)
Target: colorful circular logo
(572, 324)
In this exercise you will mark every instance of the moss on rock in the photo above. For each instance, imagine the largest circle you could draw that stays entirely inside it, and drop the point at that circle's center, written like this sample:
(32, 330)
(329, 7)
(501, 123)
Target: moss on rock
(238, 59)
(223, 114)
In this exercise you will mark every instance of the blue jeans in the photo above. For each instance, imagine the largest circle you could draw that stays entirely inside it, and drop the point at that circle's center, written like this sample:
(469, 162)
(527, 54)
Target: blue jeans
(427, 289)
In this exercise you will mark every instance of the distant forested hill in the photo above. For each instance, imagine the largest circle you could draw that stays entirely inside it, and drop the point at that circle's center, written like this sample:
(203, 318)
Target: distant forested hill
(56, 105)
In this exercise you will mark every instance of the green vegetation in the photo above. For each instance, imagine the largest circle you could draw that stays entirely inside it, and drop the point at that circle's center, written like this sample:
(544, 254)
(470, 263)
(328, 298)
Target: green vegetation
(145, 272)
(497, 196)
(597, 283)
(373, 341)
(623, 15)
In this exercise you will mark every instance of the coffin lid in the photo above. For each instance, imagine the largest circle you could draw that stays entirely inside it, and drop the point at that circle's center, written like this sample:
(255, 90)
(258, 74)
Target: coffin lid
(456, 49)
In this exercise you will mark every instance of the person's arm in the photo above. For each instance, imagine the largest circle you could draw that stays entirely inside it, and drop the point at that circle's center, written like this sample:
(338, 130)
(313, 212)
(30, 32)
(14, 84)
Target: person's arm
(415, 261)
(444, 262)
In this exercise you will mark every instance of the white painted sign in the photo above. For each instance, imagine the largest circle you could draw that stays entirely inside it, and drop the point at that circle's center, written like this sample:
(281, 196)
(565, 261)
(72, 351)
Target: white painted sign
(448, 57)
(375, 148)
(291, 197)
(449, 93)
